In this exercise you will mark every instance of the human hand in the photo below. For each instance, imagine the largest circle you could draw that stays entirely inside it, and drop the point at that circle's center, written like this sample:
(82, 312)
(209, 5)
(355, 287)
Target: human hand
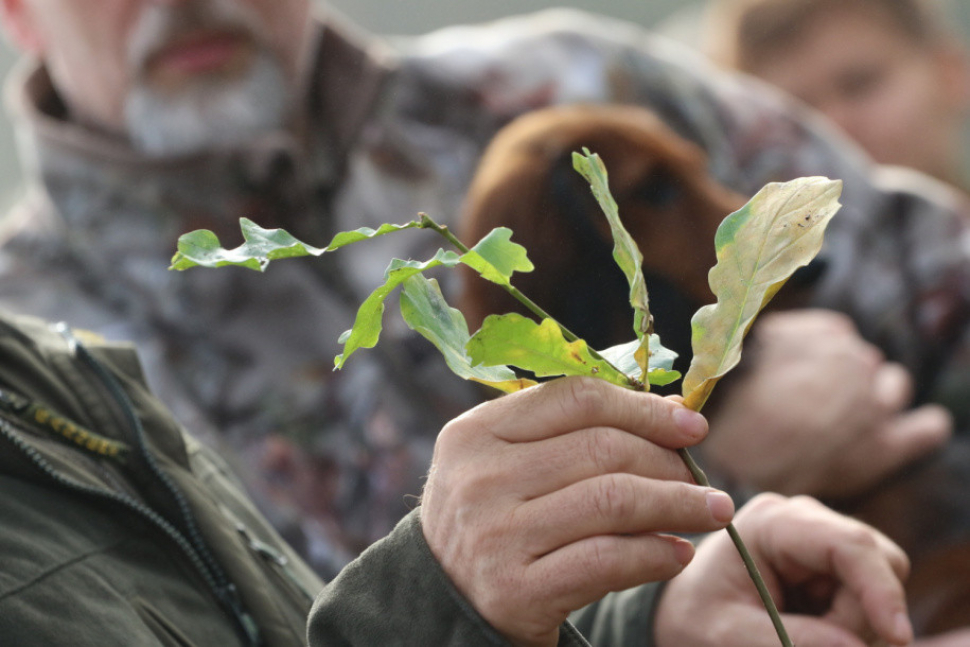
(836, 580)
(819, 411)
(543, 501)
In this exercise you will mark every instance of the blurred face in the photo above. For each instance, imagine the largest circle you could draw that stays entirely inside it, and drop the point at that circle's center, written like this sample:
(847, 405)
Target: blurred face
(174, 75)
(902, 102)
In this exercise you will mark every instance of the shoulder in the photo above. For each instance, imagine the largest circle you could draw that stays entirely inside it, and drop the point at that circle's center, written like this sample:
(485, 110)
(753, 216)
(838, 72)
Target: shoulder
(565, 45)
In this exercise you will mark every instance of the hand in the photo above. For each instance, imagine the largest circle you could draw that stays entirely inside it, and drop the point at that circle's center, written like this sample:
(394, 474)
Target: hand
(818, 412)
(543, 501)
(844, 575)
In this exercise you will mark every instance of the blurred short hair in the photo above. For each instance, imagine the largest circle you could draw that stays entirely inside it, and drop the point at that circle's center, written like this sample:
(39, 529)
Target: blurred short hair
(740, 32)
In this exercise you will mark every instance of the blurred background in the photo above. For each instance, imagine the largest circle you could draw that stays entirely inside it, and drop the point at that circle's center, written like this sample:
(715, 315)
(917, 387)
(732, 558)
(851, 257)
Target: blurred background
(678, 18)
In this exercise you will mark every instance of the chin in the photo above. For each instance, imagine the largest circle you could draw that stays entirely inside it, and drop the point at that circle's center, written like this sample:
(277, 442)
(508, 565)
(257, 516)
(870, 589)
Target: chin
(209, 113)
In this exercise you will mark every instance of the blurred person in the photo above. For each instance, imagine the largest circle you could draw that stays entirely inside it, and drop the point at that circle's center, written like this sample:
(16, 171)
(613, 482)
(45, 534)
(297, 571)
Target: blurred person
(892, 74)
(366, 131)
(116, 514)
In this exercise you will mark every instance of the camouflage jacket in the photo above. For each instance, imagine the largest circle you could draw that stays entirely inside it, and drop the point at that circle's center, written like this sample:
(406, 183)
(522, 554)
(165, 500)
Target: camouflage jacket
(394, 128)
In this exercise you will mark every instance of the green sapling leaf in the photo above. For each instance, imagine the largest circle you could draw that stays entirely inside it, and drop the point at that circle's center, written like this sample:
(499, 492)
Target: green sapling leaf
(514, 340)
(626, 253)
(661, 371)
(201, 248)
(758, 248)
(425, 311)
(496, 257)
(369, 320)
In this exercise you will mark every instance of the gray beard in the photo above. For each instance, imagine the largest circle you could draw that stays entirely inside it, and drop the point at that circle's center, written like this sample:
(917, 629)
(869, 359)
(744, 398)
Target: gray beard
(213, 115)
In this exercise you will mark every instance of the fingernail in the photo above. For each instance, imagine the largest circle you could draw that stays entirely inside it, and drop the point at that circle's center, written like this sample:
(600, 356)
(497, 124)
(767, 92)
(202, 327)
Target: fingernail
(690, 422)
(903, 628)
(720, 505)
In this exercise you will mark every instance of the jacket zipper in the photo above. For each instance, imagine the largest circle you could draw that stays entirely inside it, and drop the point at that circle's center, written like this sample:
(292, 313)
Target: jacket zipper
(190, 541)
(7, 430)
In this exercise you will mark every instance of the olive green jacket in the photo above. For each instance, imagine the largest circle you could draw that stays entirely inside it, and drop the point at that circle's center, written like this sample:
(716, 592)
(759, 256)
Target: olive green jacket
(118, 528)
(395, 593)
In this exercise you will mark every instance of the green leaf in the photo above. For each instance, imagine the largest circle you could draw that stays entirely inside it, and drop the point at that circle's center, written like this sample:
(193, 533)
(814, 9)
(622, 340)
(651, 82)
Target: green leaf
(496, 258)
(662, 359)
(514, 340)
(369, 320)
(625, 251)
(202, 248)
(758, 248)
(345, 238)
(424, 310)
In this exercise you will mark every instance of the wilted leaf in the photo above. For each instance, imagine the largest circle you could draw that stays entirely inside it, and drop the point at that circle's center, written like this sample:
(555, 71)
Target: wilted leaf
(662, 359)
(514, 340)
(626, 253)
(368, 322)
(496, 258)
(424, 310)
(758, 248)
(202, 248)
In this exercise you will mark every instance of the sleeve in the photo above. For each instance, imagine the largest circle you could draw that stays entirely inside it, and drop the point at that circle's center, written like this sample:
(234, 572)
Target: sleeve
(397, 589)
(623, 619)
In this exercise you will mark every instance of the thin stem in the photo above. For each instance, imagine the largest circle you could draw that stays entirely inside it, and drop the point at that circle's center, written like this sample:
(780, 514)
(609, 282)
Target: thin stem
(749, 564)
(534, 308)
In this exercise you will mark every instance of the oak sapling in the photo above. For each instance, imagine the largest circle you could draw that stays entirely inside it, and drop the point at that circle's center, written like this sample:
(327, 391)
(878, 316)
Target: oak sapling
(758, 248)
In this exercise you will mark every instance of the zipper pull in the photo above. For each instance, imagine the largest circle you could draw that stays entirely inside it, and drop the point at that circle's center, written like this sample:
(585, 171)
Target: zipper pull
(271, 554)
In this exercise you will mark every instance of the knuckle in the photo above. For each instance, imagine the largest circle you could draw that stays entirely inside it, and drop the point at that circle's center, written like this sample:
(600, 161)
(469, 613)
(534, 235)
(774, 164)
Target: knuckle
(768, 500)
(606, 451)
(839, 319)
(610, 497)
(584, 396)
(762, 508)
(803, 500)
(870, 356)
(596, 560)
(861, 536)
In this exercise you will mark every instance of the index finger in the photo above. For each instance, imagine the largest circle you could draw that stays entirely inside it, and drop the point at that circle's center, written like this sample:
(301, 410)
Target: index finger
(863, 560)
(569, 404)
